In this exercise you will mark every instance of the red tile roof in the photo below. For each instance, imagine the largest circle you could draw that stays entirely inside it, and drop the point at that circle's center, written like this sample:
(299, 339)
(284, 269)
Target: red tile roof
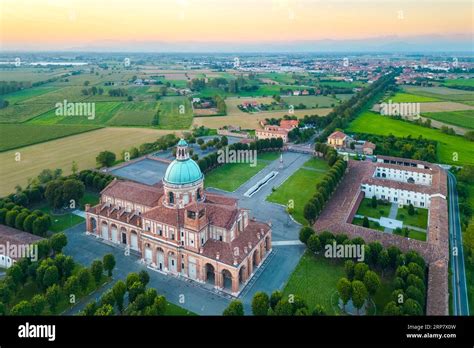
(134, 192)
(337, 135)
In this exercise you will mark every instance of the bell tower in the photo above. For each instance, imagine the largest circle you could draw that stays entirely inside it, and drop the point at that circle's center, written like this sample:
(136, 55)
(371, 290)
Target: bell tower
(182, 153)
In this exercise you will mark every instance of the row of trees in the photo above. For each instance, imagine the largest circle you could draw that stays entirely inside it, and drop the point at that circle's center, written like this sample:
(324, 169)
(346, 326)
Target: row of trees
(274, 305)
(64, 193)
(362, 282)
(21, 218)
(141, 300)
(94, 180)
(324, 188)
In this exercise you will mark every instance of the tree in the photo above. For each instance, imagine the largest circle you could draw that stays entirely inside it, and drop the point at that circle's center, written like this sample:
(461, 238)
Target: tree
(314, 243)
(74, 167)
(71, 285)
(373, 202)
(53, 296)
(10, 217)
(104, 310)
(412, 307)
(319, 311)
(365, 222)
(51, 276)
(415, 294)
(22, 308)
(344, 290)
(105, 158)
(135, 289)
(58, 241)
(371, 282)
(411, 209)
(73, 190)
(283, 308)
(109, 263)
(360, 269)
(131, 278)
(305, 233)
(235, 308)
(119, 290)
(84, 277)
(41, 225)
(260, 303)
(359, 294)
(97, 270)
(275, 297)
(310, 212)
(38, 303)
(144, 277)
(392, 308)
(384, 260)
(16, 274)
(349, 269)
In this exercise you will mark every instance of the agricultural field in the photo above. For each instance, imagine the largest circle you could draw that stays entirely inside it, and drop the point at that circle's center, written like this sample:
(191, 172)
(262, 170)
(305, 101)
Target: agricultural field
(171, 116)
(60, 153)
(448, 145)
(401, 97)
(31, 74)
(442, 93)
(24, 94)
(291, 190)
(311, 101)
(456, 118)
(459, 82)
(134, 114)
(13, 136)
(104, 111)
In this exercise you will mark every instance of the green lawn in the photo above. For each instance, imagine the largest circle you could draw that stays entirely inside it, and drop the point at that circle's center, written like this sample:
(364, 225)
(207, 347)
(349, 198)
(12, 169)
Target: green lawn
(365, 209)
(24, 94)
(459, 82)
(401, 97)
(13, 136)
(463, 118)
(311, 101)
(448, 145)
(174, 310)
(316, 163)
(372, 224)
(64, 221)
(134, 114)
(314, 280)
(230, 176)
(414, 234)
(420, 219)
(299, 188)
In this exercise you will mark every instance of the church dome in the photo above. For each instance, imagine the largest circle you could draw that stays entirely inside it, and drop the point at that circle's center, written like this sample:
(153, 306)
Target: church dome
(183, 170)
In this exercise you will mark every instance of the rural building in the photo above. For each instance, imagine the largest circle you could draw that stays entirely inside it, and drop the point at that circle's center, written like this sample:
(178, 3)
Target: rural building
(178, 228)
(337, 140)
(14, 244)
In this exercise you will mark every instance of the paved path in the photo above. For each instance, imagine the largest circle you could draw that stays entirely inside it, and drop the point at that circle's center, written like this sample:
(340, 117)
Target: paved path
(458, 271)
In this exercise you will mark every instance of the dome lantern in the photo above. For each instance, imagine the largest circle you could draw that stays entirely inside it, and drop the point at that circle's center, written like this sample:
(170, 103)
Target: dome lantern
(182, 153)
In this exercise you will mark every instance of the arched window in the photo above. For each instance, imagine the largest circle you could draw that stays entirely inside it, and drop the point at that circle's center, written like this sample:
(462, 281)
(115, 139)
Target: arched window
(171, 197)
(198, 194)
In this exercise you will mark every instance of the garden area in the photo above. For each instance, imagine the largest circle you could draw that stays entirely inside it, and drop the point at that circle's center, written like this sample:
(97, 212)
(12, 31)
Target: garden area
(417, 217)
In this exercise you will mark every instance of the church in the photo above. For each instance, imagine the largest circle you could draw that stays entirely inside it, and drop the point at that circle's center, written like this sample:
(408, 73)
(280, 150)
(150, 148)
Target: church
(178, 228)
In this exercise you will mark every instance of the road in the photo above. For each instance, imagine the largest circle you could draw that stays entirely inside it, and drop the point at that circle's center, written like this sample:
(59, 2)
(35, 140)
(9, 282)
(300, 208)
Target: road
(459, 286)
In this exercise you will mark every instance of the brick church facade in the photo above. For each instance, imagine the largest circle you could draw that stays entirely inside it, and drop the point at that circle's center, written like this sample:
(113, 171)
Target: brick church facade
(178, 228)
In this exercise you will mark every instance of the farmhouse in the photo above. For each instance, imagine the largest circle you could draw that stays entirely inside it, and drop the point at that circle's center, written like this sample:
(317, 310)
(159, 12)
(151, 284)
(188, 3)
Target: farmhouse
(281, 131)
(337, 140)
(180, 229)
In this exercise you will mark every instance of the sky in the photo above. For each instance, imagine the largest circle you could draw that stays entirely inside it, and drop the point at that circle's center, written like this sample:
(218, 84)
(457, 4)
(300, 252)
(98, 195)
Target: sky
(62, 24)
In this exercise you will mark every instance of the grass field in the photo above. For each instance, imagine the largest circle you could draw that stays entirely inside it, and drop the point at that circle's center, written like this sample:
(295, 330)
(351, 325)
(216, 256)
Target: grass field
(230, 176)
(317, 164)
(414, 235)
(170, 113)
(291, 189)
(448, 145)
(442, 93)
(365, 209)
(13, 136)
(401, 97)
(372, 224)
(60, 153)
(314, 280)
(457, 118)
(420, 219)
